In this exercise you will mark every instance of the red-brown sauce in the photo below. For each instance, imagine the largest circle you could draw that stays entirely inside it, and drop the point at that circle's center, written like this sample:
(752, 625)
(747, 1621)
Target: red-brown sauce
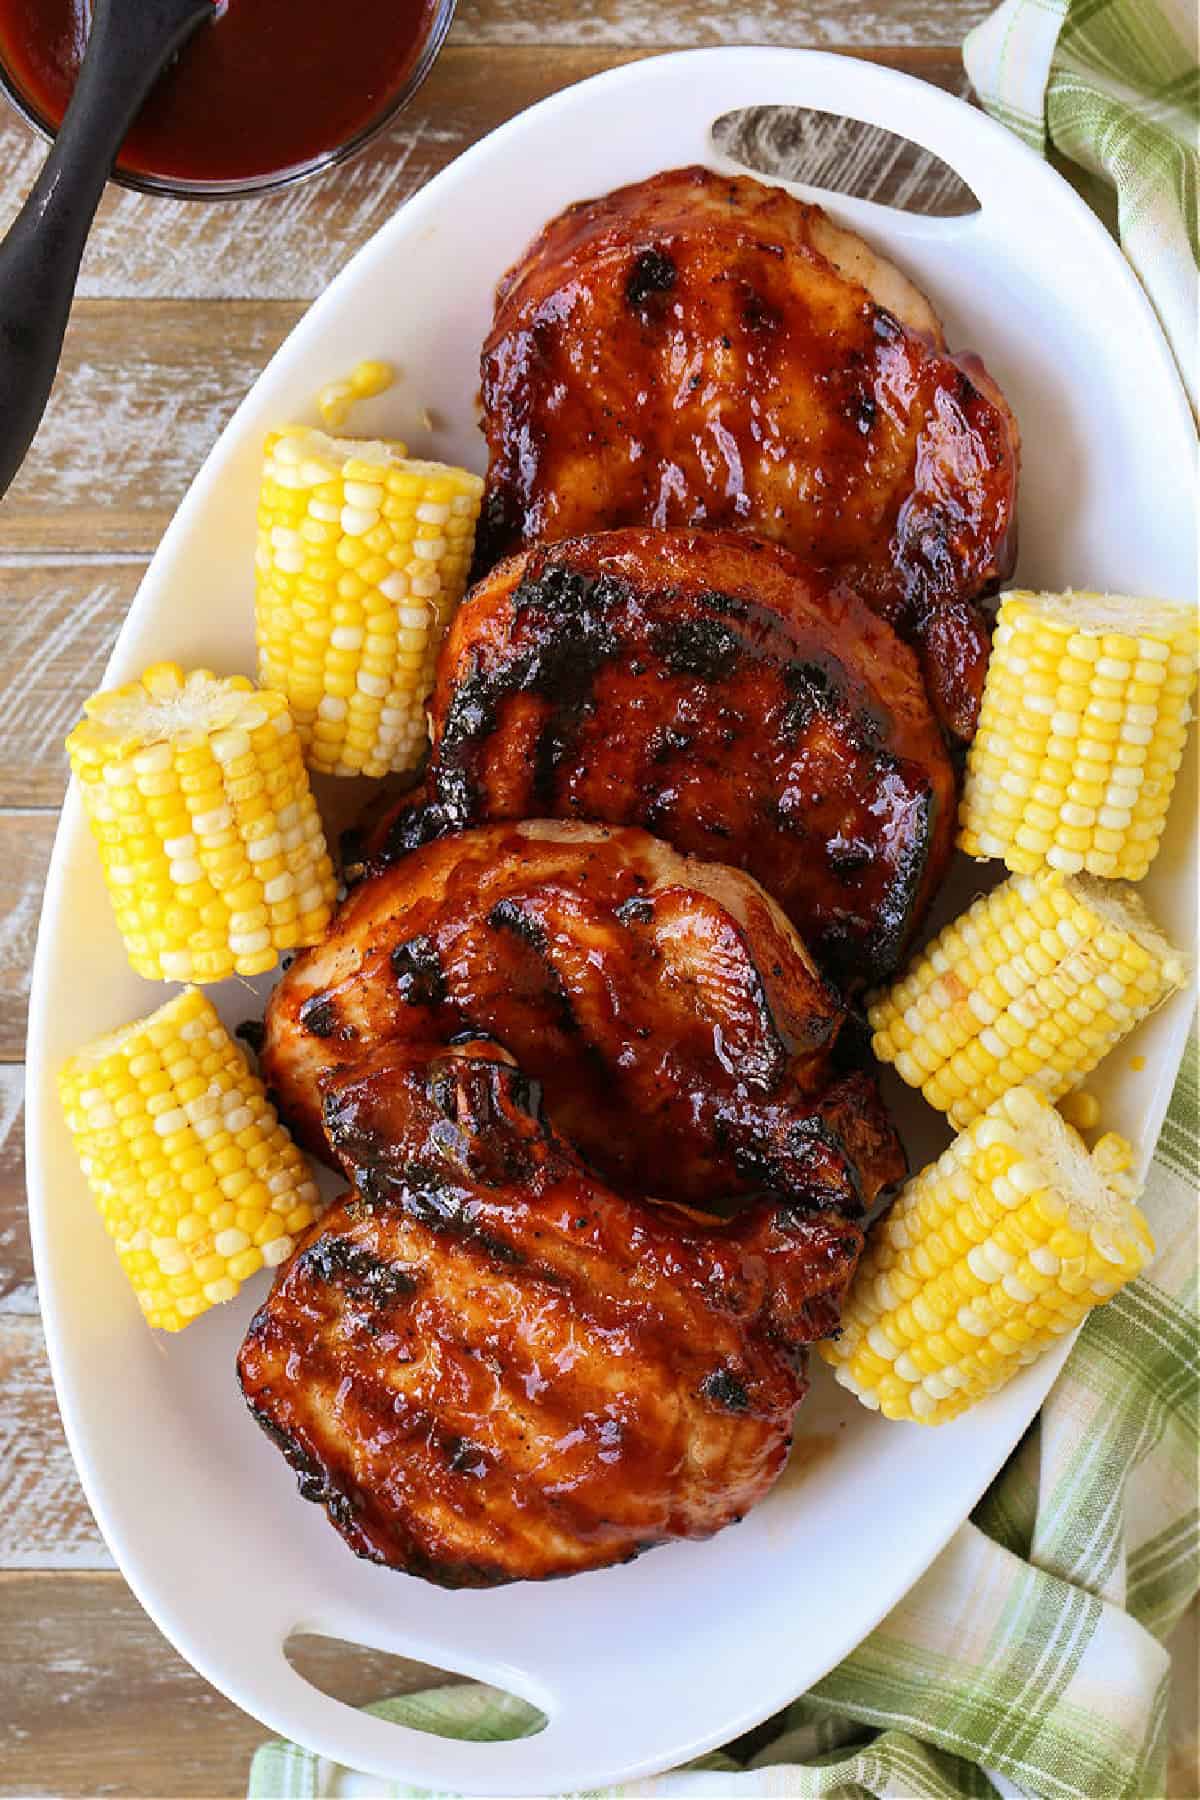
(268, 85)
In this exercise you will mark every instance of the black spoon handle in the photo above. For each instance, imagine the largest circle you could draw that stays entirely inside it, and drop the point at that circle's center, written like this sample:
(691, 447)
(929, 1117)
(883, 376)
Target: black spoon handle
(129, 45)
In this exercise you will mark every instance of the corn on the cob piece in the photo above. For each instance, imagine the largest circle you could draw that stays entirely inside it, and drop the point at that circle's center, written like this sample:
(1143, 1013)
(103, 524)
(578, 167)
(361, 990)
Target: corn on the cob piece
(362, 558)
(212, 847)
(1032, 985)
(198, 1183)
(1082, 728)
(989, 1254)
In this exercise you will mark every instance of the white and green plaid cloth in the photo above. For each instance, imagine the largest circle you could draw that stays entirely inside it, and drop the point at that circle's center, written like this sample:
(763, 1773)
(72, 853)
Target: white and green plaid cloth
(1110, 90)
(1033, 1647)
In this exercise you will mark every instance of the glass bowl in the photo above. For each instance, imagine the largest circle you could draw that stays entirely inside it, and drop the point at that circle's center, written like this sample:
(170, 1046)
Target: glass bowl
(243, 187)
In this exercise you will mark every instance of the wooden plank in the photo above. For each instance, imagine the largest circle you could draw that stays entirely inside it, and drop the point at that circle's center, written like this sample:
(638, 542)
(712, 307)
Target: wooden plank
(17, 1292)
(659, 24)
(45, 1522)
(96, 1702)
(25, 841)
(289, 245)
(135, 408)
(57, 625)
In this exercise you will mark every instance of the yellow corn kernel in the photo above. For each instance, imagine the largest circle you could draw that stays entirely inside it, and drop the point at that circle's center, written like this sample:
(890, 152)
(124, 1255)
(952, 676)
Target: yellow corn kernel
(160, 1112)
(371, 377)
(1113, 1155)
(1080, 1109)
(364, 381)
(200, 804)
(1033, 985)
(1049, 1233)
(362, 559)
(1085, 711)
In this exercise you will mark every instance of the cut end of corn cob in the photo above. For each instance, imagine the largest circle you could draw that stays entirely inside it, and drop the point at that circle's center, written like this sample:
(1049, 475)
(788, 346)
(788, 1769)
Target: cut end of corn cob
(212, 847)
(1085, 711)
(197, 1182)
(1033, 985)
(990, 1254)
(362, 558)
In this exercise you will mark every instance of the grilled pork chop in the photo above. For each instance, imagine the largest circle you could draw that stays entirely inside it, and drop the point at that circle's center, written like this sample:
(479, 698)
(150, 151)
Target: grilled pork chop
(702, 349)
(490, 1367)
(712, 688)
(682, 1034)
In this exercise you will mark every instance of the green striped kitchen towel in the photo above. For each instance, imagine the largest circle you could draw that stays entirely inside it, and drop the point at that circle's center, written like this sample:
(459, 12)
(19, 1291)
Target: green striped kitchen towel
(1111, 90)
(1033, 1647)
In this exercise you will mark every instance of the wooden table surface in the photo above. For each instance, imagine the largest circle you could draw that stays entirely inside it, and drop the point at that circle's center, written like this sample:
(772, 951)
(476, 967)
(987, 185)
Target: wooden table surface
(179, 307)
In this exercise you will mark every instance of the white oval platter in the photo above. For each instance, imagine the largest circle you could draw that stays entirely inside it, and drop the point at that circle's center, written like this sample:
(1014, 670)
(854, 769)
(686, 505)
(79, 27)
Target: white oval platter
(640, 1667)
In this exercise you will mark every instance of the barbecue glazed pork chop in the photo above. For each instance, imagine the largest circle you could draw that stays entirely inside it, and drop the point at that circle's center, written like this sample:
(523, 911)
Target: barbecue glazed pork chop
(681, 1033)
(702, 349)
(490, 1367)
(715, 690)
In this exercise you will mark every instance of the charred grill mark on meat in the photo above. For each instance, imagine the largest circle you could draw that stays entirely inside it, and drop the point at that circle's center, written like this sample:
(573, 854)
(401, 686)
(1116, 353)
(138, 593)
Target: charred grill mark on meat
(681, 1034)
(712, 689)
(695, 350)
(623, 1375)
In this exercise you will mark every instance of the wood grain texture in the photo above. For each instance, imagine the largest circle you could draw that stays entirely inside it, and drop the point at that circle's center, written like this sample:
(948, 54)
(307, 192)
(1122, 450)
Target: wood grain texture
(659, 23)
(58, 621)
(289, 245)
(96, 1702)
(45, 1522)
(25, 841)
(17, 1292)
(134, 410)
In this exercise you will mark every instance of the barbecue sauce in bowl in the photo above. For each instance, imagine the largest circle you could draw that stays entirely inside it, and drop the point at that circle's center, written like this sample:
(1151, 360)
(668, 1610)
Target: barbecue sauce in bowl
(269, 90)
